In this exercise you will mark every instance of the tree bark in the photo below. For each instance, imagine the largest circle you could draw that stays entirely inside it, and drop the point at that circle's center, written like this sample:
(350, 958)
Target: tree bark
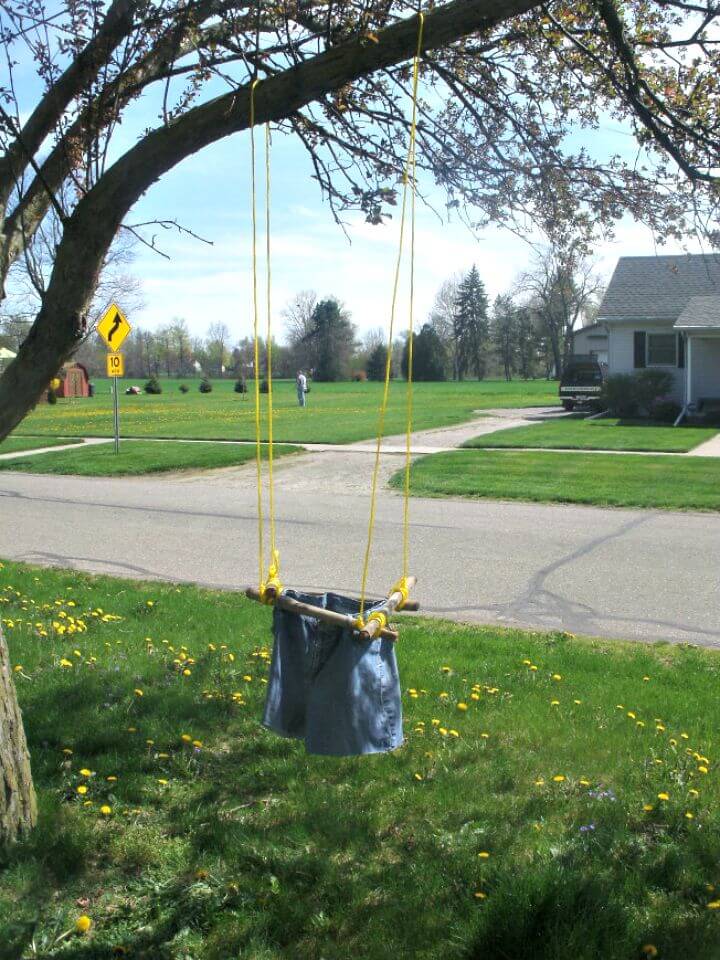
(97, 217)
(18, 808)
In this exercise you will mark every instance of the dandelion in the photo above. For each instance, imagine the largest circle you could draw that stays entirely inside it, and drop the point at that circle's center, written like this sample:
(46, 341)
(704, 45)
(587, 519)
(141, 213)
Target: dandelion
(631, 714)
(533, 668)
(443, 731)
(578, 702)
(462, 707)
(111, 779)
(693, 792)
(584, 783)
(105, 810)
(138, 692)
(648, 807)
(714, 905)
(673, 742)
(649, 950)
(474, 696)
(558, 778)
(83, 924)
(540, 782)
(417, 776)
(163, 783)
(65, 663)
(187, 673)
(197, 744)
(484, 855)
(480, 895)
(85, 772)
(660, 727)
(186, 738)
(485, 736)
(663, 796)
(82, 789)
(247, 678)
(554, 703)
(556, 676)
(446, 669)
(684, 736)
(689, 815)
(702, 769)
(132, 729)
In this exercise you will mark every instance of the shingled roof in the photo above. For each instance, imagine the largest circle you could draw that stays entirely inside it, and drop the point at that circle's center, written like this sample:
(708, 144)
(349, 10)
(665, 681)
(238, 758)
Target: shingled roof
(659, 288)
(700, 312)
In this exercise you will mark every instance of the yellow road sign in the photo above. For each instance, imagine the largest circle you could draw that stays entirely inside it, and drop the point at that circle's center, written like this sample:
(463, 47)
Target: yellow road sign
(113, 327)
(115, 365)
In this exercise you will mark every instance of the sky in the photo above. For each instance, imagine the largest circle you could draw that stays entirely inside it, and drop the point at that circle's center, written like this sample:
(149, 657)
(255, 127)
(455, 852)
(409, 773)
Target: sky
(209, 194)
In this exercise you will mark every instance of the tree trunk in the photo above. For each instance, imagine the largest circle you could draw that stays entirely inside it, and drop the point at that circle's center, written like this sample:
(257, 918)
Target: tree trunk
(18, 809)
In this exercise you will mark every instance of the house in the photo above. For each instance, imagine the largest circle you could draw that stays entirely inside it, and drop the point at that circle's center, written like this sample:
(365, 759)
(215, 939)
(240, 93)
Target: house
(664, 313)
(591, 341)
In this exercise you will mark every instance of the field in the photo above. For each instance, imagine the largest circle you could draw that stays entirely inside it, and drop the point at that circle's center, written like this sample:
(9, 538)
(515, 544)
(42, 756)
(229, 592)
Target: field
(606, 434)
(138, 457)
(336, 413)
(19, 444)
(618, 480)
(557, 798)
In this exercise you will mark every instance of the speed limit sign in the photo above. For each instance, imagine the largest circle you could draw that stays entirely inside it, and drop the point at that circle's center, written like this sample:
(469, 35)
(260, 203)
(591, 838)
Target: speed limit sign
(115, 365)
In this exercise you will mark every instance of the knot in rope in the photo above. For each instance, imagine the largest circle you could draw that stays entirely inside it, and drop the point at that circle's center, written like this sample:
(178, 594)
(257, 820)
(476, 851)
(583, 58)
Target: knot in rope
(402, 588)
(379, 617)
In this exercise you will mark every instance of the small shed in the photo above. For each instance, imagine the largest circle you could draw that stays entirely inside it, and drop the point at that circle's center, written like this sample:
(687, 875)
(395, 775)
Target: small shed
(591, 341)
(74, 381)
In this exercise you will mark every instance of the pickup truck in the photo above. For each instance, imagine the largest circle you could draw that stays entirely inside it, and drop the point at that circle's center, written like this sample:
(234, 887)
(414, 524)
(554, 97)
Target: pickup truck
(581, 381)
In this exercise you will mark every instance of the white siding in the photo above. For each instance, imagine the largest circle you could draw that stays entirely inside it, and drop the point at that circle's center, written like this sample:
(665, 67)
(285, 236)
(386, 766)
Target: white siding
(705, 368)
(622, 356)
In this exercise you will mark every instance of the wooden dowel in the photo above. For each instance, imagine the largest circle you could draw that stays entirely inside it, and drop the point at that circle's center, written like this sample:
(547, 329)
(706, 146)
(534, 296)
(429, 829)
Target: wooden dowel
(308, 610)
(388, 608)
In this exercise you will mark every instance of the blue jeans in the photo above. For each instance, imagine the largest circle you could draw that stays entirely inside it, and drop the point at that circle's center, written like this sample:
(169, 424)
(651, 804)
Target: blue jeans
(301, 397)
(339, 694)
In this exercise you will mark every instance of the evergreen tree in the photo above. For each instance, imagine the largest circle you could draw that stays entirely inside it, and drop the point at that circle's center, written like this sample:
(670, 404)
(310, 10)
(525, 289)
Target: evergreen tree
(472, 329)
(332, 337)
(503, 332)
(429, 355)
(377, 362)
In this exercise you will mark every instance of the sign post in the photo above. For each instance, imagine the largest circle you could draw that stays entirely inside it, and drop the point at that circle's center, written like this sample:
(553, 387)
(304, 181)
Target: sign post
(113, 328)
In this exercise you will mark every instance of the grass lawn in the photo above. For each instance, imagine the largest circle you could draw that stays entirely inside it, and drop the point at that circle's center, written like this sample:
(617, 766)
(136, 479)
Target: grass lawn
(336, 412)
(556, 798)
(619, 480)
(18, 444)
(610, 434)
(139, 456)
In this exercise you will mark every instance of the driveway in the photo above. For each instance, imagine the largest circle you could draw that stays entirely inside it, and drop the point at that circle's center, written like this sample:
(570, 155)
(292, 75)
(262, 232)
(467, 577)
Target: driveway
(644, 575)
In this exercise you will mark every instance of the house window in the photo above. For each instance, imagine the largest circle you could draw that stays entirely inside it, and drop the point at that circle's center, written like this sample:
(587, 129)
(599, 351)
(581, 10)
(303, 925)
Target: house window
(661, 349)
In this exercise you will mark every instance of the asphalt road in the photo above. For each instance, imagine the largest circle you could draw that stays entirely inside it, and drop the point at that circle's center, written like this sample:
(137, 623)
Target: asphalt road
(643, 575)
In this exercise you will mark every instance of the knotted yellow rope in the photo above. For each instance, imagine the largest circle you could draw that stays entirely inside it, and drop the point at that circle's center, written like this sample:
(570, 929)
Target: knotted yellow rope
(408, 177)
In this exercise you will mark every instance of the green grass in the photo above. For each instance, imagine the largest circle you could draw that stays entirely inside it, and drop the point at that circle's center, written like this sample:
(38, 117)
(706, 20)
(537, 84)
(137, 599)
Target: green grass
(138, 457)
(618, 480)
(336, 412)
(610, 434)
(244, 846)
(19, 444)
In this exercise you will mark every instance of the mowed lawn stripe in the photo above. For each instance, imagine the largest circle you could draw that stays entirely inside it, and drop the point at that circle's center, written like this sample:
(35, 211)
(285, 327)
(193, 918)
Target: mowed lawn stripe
(610, 434)
(621, 480)
(137, 457)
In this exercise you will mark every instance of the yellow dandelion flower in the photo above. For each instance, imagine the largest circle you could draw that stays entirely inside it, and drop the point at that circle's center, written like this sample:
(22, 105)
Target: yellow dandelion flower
(578, 702)
(684, 736)
(132, 729)
(663, 796)
(689, 815)
(558, 778)
(556, 676)
(673, 742)
(187, 673)
(584, 783)
(485, 736)
(446, 669)
(83, 924)
(702, 769)
(714, 905)
(540, 782)
(554, 703)
(138, 692)
(163, 783)
(480, 895)
(453, 733)
(474, 696)
(82, 789)
(247, 678)
(649, 950)
(527, 662)
(484, 855)
(462, 707)
(443, 695)
(197, 743)
(533, 668)
(648, 807)
(660, 727)
(631, 714)
(85, 772)
(417, 776)
(186, 738)
(111, 779)
(105, 810)
(443, 731)
(693, 792)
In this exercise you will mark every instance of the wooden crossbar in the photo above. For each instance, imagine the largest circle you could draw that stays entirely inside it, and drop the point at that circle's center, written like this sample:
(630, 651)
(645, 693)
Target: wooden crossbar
(342, 619)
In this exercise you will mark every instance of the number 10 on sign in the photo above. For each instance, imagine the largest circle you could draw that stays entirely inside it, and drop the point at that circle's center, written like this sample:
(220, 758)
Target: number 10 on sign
(116, 369)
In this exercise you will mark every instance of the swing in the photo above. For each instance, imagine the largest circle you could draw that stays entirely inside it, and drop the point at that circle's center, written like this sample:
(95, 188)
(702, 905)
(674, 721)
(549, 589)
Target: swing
(333, 676)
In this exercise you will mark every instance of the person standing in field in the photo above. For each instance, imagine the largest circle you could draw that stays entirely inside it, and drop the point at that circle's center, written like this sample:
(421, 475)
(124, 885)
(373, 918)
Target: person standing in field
(301, 384)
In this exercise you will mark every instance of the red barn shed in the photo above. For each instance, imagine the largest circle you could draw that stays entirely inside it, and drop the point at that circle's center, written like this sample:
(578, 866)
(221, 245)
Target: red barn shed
(74, 381)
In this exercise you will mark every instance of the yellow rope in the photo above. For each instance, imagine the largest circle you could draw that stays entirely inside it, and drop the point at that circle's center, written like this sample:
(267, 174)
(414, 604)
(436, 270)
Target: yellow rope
(408, 171)
(273, 574)
(256, 371)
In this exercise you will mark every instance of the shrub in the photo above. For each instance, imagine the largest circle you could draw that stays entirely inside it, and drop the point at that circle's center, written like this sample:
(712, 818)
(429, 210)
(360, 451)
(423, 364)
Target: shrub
(205, 386)
(650, 386)
(183, 388)
(240, 385)
(665, 409)
(619, 395)
(153, 386)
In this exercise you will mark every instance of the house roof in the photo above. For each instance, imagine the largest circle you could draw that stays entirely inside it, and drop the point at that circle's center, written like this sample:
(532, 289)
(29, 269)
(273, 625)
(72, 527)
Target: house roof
(659, 288)
(700, 312)
(599, 327)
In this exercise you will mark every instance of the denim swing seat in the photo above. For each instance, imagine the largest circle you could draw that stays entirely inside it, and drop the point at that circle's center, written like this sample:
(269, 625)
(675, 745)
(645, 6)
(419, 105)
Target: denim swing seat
(328, 687)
